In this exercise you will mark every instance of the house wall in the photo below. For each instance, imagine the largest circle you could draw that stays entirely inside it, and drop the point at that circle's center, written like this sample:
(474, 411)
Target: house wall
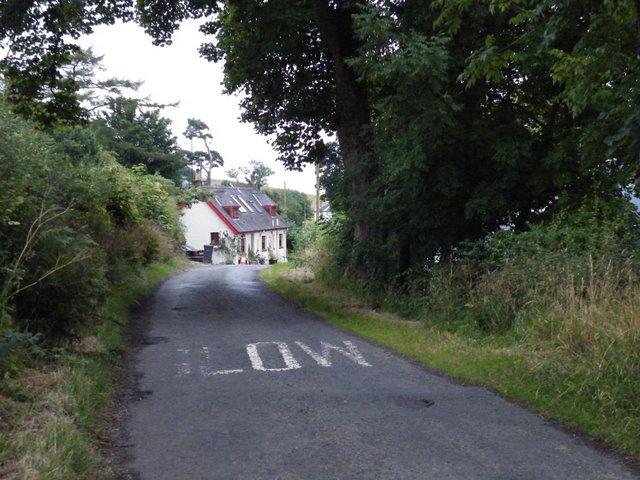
(254, 242)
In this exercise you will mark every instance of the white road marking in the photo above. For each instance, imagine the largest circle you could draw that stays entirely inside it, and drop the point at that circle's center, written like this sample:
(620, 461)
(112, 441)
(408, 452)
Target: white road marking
(283, 348)
(207, 372)
(206, 354)
(184, 369)
(324, 357)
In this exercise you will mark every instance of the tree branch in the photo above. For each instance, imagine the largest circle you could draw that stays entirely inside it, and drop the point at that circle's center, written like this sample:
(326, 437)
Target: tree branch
(43, 217)
(57, 267)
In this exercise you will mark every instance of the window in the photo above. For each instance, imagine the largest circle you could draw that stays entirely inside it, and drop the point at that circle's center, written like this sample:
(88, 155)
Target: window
(215, 239)
(246, 204)
(264, 243)
(243, 244)
(280, 240)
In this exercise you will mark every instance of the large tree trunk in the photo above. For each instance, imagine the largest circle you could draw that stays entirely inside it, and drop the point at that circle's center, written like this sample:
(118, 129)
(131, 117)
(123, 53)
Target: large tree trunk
(353, 111)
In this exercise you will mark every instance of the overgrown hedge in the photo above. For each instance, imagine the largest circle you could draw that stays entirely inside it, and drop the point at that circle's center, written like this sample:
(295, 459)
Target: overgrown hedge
(71, 218)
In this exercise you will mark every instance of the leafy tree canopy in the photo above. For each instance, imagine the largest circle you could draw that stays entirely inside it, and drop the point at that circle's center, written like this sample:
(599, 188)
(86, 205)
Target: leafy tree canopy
(515, 116)
(38, 37)
(255, 174)
(138, 135)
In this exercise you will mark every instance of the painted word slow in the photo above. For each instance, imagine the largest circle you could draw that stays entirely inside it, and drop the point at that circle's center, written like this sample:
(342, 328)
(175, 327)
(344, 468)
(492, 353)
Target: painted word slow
(270, 357)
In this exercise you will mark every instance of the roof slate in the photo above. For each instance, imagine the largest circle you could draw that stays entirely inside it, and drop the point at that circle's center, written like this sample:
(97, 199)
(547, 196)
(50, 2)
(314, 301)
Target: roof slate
(252, 215)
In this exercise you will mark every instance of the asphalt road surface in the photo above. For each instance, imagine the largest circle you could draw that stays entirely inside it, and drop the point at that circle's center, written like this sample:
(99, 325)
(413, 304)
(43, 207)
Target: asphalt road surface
(234, 382)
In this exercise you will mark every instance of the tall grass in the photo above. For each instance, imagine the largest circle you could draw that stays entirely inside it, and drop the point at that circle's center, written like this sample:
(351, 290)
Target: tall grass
(579, 321)
(585, 314)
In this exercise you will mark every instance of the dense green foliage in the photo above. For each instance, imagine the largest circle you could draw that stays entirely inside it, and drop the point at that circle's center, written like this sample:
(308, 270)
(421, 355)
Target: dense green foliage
(49, 79)
(497, 135)
(71, 216)
(38, 37)
(140, 136)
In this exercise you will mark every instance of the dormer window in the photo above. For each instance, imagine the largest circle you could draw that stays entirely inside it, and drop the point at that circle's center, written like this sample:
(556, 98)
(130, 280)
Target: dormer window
(232, 210)
(272, 209)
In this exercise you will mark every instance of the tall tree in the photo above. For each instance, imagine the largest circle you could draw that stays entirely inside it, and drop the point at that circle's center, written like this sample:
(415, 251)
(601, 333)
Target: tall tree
(255, 174)
(140, 136)
(292, 63)
(520, 108)
(93, 93)
(200, 130)
(38, 37)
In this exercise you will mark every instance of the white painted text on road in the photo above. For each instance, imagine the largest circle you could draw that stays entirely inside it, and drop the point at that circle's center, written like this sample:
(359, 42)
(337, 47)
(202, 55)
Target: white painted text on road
(281, 358)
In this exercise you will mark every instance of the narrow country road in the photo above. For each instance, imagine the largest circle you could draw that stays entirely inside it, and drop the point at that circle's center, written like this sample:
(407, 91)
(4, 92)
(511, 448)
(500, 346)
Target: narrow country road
(234, 382)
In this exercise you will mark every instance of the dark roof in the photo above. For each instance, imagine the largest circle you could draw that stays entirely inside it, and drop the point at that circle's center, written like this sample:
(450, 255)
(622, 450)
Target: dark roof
(250, 203)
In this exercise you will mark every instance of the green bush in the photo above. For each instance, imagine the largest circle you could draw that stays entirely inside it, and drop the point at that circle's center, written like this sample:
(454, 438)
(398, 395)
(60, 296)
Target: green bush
(506, 279)
(68, 284)
(13, 347)
(70, 218)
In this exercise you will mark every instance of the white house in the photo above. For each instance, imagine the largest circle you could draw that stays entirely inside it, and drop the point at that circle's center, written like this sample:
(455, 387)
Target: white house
(240, 223)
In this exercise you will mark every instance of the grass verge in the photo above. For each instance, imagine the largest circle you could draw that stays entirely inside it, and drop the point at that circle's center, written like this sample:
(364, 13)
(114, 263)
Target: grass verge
(54, 408)
(555, 384)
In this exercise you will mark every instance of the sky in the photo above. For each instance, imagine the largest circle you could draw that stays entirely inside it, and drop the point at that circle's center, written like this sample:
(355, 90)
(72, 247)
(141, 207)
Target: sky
(176, 73)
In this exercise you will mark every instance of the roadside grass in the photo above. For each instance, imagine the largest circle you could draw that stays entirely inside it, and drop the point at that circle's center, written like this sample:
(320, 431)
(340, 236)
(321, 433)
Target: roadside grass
(598, 396)
(54, 409)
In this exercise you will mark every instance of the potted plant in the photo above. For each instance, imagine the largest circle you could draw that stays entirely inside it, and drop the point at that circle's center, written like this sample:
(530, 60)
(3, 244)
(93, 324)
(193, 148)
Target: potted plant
(273, 258)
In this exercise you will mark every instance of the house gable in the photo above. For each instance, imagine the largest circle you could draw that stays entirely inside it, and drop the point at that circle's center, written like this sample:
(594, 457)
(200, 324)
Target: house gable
(222, 217)
(200, 221)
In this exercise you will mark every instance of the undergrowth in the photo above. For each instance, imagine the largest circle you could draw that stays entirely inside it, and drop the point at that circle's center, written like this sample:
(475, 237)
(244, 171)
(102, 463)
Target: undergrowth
(55, 401)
